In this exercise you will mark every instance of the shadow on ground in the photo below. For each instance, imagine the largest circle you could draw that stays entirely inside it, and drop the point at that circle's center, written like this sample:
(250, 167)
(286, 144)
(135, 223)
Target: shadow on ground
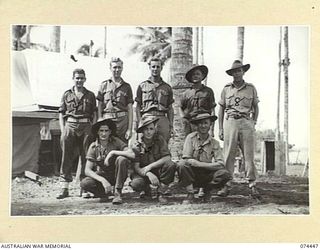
(279, 195)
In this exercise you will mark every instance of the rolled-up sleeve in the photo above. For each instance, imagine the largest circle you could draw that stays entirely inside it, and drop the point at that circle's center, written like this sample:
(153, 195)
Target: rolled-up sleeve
(63, 107)
(217, 154)
(100, 94)
(255, 96)
(187, 152)
(139, 96)
(164, 150)
(222, 101)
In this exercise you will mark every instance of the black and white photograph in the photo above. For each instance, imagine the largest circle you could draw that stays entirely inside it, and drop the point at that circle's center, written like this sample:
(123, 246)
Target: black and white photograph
(154, 120)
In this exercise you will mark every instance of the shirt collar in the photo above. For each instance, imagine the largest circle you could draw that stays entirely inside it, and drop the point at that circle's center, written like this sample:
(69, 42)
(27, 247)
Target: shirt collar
(201, 87)
(243, 86)
(120, 83)
(84, 90)
(207, 141)
(159, 83)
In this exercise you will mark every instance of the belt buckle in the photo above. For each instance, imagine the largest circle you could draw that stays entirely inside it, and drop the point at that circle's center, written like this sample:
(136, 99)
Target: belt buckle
(237, 117)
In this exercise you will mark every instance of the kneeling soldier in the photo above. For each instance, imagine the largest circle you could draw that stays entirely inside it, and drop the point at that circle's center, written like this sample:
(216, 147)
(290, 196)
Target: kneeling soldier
(202, 164)
(106, 166)
(152, 164)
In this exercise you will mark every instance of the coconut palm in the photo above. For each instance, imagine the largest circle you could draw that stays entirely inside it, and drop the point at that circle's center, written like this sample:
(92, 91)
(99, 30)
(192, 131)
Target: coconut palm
(85, 50)
(151, 42)
(181, 60)
(240, 43)
(21, 38)
(18, 31)
(55, 39)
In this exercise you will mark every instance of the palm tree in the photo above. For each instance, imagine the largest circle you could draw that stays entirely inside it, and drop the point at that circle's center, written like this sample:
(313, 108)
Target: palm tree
(181, 60)
(240, 43)
(151, 42)
(18, 31)
(286, 64)
(55, 39)
(86, 50)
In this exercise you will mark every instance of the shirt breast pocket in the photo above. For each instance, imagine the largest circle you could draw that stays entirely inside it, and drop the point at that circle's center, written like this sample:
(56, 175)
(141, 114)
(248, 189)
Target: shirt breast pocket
(204, 101)
(147, 95)
(163, 98)
(247, 101)
(108, 96)
(122, 98)
(229, 100)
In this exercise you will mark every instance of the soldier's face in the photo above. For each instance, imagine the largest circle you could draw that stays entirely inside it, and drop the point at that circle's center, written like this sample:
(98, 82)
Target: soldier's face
(149, 131)
(79, 80)
(196, 76)
(155, 68)
(116, 69)
(204, 126)
(104, 132)
(238, 73)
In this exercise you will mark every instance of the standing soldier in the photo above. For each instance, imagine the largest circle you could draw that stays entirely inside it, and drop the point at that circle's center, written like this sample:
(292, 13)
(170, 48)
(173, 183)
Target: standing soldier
(238, 115)
(155, 97)
(77, 112)
(115, 101)
(198, 99)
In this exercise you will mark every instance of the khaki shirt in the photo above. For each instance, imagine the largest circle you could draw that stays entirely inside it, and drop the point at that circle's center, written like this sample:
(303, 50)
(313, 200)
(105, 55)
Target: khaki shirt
(197, 100)
(97, 154)
(154, 96)
(115, 98)
(239, 101)
(83, 107)
(208, 151)
(146, 154)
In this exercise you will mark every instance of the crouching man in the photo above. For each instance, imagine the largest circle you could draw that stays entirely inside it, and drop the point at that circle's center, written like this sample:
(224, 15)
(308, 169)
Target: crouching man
(106, 166)
(202, 164)
(152, 161)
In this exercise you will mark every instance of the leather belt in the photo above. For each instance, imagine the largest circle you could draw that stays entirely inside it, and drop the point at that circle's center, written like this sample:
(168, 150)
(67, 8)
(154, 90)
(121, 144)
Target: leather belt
(113, 115)
(155, 112)
(236, 117)
(78, 120)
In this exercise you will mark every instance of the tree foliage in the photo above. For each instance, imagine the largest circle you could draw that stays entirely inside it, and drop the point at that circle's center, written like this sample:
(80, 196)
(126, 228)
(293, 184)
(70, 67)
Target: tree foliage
(85, 51)
(151, 42)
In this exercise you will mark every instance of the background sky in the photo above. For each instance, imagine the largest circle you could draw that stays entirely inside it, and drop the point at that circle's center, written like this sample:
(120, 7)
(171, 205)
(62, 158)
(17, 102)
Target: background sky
(220, 48)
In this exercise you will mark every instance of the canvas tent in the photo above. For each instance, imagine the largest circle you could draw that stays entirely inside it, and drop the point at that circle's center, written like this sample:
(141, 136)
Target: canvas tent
(38, 80)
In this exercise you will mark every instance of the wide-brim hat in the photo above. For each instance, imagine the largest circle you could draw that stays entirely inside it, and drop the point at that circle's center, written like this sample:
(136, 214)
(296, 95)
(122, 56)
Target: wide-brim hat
(104, 121)
(145, 121)
(236, 65)
(203, 116)
(202, 68)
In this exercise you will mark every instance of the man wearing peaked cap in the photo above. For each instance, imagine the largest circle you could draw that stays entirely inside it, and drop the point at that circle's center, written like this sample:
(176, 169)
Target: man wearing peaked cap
(202, 164)
(238, 115)
(200, 98)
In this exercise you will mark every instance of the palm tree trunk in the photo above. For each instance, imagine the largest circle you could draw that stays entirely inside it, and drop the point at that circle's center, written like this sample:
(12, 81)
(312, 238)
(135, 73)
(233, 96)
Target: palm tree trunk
(279, 89)
(181, 59)
(105, 43)
(55, 39)
(286, 97)
(196, 45)
(240, 43)
(28, 36)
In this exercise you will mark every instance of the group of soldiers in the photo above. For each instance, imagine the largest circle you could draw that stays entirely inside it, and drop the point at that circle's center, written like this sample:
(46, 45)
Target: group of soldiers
(100, 133)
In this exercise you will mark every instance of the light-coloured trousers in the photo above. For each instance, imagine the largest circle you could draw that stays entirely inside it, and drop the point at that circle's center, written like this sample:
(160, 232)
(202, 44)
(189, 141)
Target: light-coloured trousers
(242, 132)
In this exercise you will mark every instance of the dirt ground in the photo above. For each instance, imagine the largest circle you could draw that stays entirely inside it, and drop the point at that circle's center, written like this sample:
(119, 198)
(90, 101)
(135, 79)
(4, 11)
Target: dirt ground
(279, 196)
